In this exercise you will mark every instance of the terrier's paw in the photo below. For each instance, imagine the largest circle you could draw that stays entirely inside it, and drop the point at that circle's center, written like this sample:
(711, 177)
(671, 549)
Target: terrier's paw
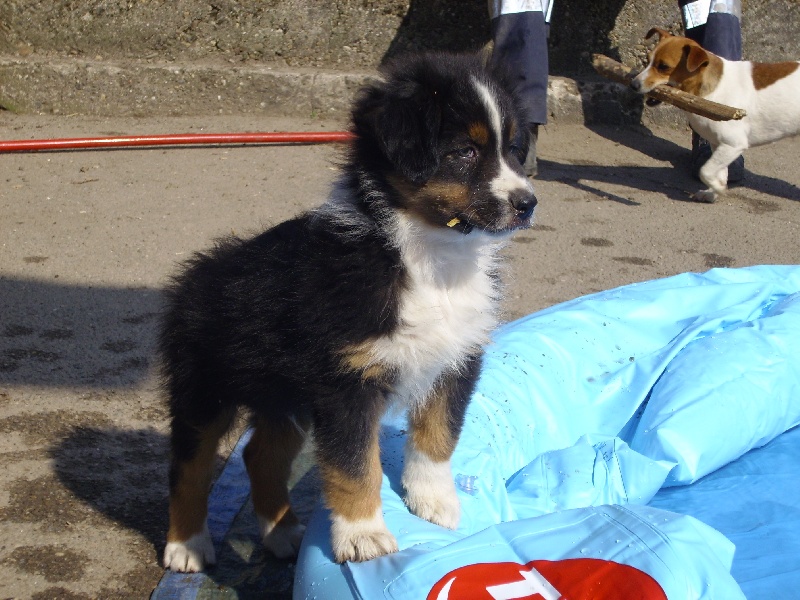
(716, 180)
(361, 540)
(190, 556)
(708, 196)
(283, 540)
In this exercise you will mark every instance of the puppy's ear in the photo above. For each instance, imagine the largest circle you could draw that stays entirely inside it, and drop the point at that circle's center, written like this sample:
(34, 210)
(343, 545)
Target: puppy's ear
(657, 30)
(407, 126)
(696, 57)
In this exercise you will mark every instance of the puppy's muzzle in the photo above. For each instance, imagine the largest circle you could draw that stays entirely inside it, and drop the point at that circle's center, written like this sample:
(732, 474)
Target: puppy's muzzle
(523, 202)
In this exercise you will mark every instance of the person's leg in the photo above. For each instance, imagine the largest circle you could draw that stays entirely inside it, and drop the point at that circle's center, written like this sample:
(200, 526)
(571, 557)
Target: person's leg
(715, 25)
(723, 34)
(519, 32)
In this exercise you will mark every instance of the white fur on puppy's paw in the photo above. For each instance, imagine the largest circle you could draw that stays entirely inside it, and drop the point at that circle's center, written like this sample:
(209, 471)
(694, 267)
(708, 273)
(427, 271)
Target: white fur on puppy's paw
(190, 556)
(438, 505)
(430, 491)
(282, 540)
(361, 540)
(707, 196)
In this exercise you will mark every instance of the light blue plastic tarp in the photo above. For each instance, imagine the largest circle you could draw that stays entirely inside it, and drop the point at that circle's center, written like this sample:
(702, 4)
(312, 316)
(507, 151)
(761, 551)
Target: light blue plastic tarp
(592, 409)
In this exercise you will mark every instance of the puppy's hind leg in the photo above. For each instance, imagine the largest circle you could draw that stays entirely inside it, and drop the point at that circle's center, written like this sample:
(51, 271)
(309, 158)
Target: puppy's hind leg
(194, 446)
(714, 173)
(268, 457)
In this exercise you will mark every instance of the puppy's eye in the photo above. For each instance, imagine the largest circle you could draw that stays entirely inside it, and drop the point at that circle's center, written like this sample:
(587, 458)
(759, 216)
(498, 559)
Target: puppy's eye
(467, 152)
(663, 67)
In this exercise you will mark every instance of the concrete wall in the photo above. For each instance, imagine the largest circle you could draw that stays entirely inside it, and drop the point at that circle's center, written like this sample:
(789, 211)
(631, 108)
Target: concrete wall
(200, 56)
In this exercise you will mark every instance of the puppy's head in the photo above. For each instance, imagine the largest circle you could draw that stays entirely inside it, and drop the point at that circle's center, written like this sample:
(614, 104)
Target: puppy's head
(448, 139)
(675, 61)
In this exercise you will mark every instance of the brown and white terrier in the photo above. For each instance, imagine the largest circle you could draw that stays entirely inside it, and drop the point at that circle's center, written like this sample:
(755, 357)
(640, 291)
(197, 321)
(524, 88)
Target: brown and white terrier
(768, 92)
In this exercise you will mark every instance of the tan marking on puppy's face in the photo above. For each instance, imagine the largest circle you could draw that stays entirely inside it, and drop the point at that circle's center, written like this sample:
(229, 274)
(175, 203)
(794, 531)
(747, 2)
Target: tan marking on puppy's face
(765, 74)
(436, 201)
(443, 199)
(479, 133)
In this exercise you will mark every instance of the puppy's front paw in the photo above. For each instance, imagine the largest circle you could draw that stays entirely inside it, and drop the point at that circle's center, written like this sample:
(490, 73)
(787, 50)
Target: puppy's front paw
(438, 504)
(190, 556)
(283, 540)
(708, 196)
(430, 491)
(361, 540)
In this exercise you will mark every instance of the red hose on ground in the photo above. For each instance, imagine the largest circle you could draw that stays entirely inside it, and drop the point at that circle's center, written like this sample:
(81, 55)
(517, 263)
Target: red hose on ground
(179, 139)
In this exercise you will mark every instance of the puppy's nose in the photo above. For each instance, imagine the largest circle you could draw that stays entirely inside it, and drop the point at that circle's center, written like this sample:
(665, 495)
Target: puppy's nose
(523, 202)
(636, 85)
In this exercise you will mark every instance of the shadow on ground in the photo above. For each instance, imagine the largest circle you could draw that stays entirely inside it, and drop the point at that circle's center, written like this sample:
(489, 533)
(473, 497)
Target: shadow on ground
(121, 474)
(75, 335)
(673, 181)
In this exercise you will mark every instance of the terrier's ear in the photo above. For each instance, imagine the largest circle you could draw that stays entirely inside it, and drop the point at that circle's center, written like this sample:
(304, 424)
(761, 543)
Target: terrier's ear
(696, 57)
(657, 30)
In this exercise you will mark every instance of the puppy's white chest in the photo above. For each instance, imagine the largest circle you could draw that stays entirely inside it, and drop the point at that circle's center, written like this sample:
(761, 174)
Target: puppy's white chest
(445, 323)
(439, 328)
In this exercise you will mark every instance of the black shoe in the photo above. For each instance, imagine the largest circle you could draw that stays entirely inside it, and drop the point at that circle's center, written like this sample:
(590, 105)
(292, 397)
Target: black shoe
(701, 152)
(530, 166)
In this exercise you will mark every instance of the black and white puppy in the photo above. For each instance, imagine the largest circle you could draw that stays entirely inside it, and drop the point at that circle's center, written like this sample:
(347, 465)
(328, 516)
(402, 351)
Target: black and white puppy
(385, 295)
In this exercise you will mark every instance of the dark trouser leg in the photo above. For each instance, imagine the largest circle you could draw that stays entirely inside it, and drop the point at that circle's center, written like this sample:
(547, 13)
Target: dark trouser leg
(520, 49)
(720, 33)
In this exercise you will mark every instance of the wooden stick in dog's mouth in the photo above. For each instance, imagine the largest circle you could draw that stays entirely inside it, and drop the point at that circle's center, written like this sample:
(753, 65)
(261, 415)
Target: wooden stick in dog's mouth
(623, 74)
